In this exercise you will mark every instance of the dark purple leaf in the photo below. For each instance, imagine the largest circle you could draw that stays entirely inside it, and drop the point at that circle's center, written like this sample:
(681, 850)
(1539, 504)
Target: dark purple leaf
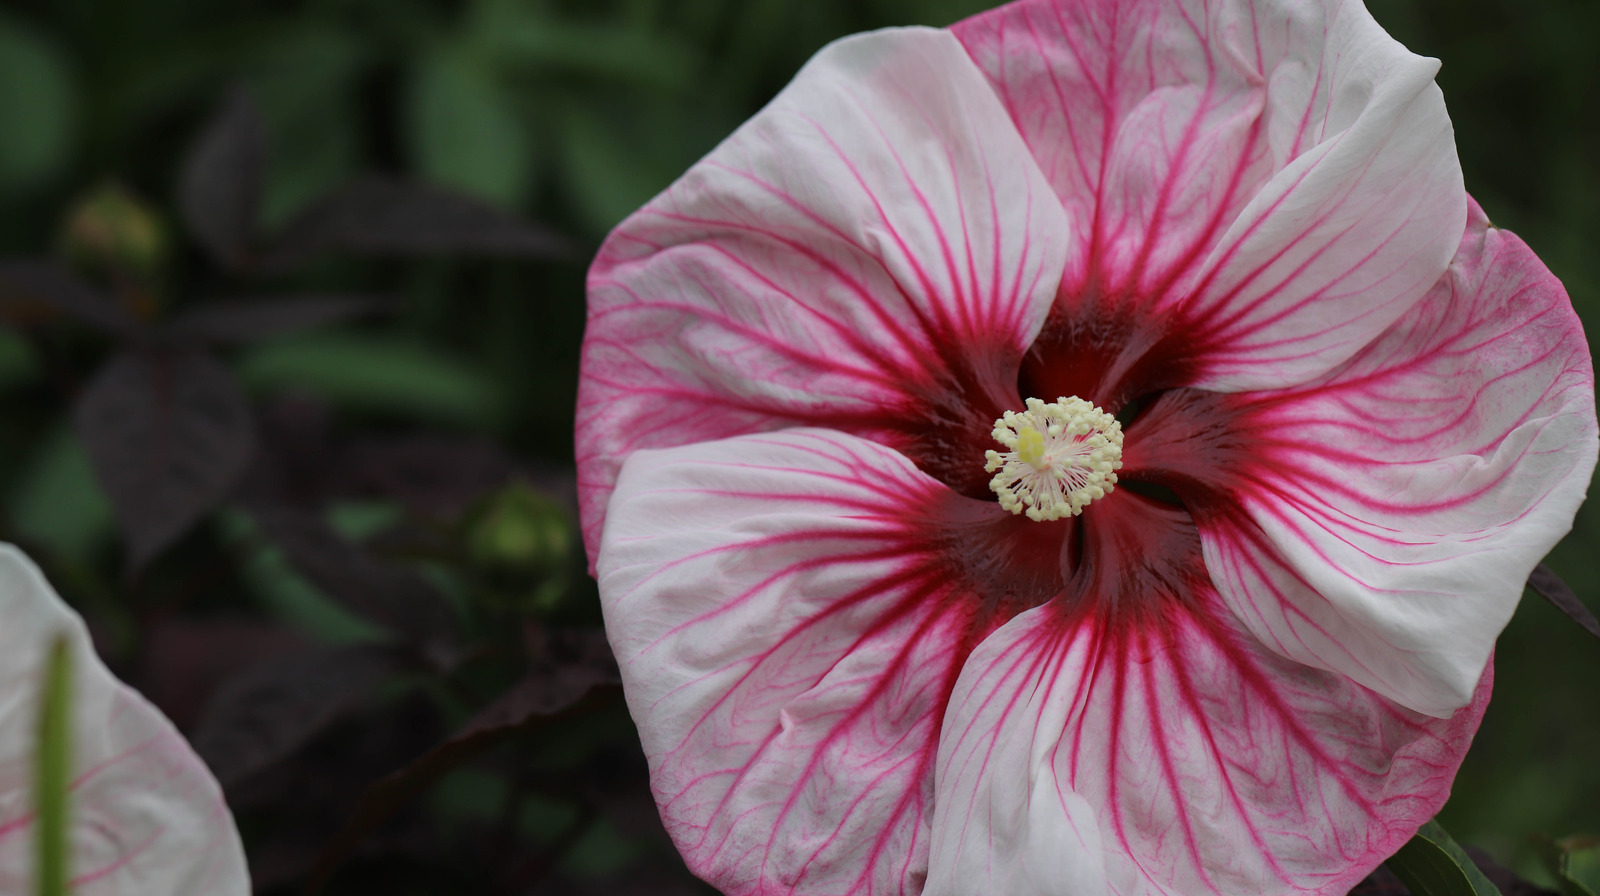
(248, 320)
(310, 793)
(263, 714)
(1549, 586)
(1508, 883)
(1382, 882)
(380, 737)
(219, 189)
(168, 432)
(434, 476)
(23, 281)
(377, 216)
(182, 660)
(291, 466)
(655, 879)
(577, 674)
(569, 665)
(395, 598)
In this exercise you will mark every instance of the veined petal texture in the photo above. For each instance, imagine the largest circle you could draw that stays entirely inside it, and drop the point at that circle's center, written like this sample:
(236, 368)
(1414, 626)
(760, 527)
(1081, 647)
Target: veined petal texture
(870, 250)
(1278, 178)
(1177, 758)
(1236, 225)
(790, 612)
(147, 816)
(1396, 505)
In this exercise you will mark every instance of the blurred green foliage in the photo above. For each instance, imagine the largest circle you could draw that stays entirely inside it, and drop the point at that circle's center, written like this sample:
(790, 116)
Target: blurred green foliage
(573, 113)
(1574, 862)
(41, 103)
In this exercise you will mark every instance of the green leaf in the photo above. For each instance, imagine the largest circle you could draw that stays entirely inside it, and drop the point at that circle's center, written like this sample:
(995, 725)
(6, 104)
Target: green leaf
(18, 366)
(937, 13)
(52, 774)
(600, 851)
(1583, 862)
(57, 500)
(464, 130)
(361, 520)
(286, 595)
(1433, 864)
(1574, 862)
(38, 106)
(306, 81)
(609, 172)
(522, 38)
(367, 373)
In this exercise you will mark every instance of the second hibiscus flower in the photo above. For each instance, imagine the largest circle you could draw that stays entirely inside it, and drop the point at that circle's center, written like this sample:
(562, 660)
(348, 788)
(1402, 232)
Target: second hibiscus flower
(1089, 450)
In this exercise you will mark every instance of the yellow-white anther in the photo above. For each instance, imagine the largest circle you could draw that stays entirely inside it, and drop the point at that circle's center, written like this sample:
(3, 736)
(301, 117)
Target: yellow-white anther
(1060, 457)
(1030, 445)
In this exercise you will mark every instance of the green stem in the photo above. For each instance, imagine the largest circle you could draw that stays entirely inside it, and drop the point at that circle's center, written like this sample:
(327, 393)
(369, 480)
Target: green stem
(53, 773)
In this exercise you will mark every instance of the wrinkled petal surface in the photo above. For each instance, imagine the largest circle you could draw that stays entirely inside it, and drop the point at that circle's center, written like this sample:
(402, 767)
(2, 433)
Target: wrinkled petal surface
(1233, 223)
(1272, 183)
(1381, 521)
(147, 816)
(867, 253)
(790, 612)
(1095, 750)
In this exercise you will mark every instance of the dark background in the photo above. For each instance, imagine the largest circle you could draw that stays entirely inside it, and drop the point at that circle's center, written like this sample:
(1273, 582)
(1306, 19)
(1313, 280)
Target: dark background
(433, 434)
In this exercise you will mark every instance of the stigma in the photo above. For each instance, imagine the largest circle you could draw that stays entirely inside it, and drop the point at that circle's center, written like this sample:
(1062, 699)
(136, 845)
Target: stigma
(1059, 457)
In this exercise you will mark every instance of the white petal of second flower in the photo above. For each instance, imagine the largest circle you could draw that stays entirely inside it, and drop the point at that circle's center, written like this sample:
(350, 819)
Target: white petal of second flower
(147, 816)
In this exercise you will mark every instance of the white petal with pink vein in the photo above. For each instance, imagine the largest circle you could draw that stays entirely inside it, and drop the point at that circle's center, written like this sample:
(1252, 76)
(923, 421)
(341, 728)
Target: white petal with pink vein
(784, 657)
(1173, 760)
(826, 260)
(1283, 174)
(1404, 499)
(147, 817)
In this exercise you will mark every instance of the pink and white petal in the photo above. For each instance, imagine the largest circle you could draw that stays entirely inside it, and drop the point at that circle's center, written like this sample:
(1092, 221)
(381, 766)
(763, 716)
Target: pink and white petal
(1348, 236)
(1171, 753)
(1004, 822)
(1278, 179)
(789, 623)
(1147, 123)
(1395, 508)
(147, 816)
(873, 251)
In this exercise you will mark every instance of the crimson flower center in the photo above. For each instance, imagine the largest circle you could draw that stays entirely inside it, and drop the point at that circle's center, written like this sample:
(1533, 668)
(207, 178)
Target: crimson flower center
(1060, 456)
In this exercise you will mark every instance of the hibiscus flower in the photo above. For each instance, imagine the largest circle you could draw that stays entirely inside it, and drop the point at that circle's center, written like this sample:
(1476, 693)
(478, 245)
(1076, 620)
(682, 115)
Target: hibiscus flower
(147, 817)
(1089, 450)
